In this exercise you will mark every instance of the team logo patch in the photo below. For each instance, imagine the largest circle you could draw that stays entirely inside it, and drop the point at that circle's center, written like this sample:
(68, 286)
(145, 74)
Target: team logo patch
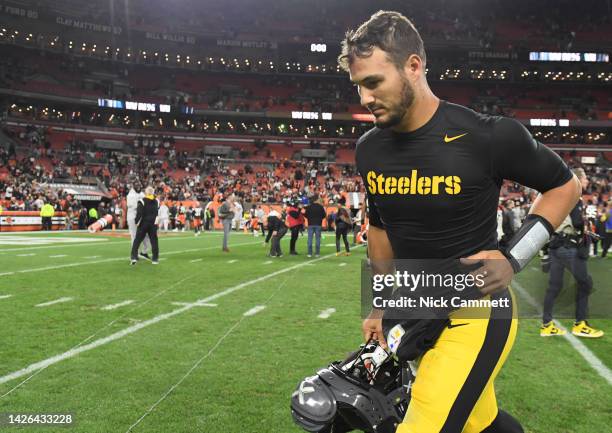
(394, 338)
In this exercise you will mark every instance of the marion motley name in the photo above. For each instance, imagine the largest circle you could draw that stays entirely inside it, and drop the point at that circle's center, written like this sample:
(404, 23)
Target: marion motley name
(413, 184)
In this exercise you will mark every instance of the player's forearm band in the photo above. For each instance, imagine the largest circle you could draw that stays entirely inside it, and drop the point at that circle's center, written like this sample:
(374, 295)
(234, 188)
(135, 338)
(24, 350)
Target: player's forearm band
(527, 242)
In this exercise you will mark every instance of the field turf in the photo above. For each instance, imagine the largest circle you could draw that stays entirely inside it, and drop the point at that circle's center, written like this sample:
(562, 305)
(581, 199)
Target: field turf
(169, 348)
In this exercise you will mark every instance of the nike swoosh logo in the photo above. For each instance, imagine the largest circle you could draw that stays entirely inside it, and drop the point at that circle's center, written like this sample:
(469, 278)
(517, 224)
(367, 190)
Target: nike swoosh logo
(451, 326)
(448, 139)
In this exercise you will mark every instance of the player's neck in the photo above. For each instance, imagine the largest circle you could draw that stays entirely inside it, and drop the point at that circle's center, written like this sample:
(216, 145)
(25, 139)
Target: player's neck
(420, 112)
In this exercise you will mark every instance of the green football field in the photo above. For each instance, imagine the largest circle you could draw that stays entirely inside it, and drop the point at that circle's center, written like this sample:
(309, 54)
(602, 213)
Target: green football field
(216, 342)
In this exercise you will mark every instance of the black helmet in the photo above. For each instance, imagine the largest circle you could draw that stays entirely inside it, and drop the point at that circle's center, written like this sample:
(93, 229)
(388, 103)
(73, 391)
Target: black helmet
(369, 391)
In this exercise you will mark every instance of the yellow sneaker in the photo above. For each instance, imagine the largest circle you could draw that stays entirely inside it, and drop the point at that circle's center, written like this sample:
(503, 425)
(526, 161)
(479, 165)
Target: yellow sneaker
(338, 254)
(347, 254)
(583, 329)
(550, 330)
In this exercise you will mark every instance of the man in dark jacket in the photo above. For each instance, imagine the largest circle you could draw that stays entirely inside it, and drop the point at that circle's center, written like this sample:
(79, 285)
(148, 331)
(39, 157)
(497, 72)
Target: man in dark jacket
(146, 221)
(276, 230)
(315, 214)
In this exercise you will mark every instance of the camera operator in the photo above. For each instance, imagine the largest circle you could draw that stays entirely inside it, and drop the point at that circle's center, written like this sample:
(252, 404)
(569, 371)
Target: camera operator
(568, 249)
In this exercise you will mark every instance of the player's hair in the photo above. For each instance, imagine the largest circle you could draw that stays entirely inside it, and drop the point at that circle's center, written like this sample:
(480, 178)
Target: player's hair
(390, 31)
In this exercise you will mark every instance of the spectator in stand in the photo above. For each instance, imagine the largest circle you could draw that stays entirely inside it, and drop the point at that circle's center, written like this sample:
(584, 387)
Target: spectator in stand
(315, 214)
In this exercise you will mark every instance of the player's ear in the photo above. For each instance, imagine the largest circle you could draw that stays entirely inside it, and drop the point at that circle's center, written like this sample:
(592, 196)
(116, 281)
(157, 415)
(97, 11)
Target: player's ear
(414, 66)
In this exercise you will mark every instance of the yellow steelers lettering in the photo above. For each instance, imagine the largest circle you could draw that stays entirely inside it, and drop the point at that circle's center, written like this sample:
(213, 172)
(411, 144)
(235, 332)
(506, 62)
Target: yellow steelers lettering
(371, 182)
(424, 186)
(413, 184)
(380, 180)
(452, 185)
(437, 180)
(403, 185)
(390, 185)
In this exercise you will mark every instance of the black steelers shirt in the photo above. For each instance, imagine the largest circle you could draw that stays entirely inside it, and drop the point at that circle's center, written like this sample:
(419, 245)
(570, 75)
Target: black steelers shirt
(435, 190)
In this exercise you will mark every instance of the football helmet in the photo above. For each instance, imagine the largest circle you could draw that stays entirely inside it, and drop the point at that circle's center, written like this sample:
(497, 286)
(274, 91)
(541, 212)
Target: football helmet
(368, 391)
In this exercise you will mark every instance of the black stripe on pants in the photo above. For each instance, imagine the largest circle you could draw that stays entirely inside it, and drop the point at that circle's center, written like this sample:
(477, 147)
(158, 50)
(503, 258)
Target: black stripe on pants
(498, 331)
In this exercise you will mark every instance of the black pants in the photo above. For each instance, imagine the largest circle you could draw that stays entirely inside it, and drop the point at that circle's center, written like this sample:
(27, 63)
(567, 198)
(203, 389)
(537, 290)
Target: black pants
(295, 233)
(605, 244)
(275, 249)
(560, 259)
(342, 231)
(143, 230)
(46, 223)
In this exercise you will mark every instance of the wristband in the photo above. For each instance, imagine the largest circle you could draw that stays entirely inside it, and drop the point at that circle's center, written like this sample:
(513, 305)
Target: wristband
(527, 242)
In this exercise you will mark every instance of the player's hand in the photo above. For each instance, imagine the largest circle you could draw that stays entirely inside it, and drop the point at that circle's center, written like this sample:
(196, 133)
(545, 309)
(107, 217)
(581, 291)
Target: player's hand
(495, 271)
(372, 328)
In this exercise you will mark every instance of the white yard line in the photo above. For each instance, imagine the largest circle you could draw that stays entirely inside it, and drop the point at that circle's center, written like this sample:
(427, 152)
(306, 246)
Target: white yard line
(115, 259)
(115, 306)
(232, 261)
(5, 296)
(195, 260)
(199, 361)
(254, 310)
(578, 345)
(141, 325)
(26, 255)
(57, 301)
(57, 256)
(186, 375)
(342, 264)
(195, 304)
(269, 262)
(326, 313)
(92, 257)
(98, 243)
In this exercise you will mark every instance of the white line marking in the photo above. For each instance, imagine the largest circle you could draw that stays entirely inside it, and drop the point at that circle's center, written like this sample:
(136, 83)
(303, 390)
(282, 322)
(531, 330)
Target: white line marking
(329, 245)
(137, 327)
(269, 262)
(115, 259)
(195, 304)
(5, 296)
(232, 261)
(57, 301)
(254, 310)
(196, 365)
(533, 268)
(578, 345)
(229, 331)
(114, 306)
(92, 257)
(326, 313)
(26, 255)
(195, 260)
(57, 256)
(342, 264)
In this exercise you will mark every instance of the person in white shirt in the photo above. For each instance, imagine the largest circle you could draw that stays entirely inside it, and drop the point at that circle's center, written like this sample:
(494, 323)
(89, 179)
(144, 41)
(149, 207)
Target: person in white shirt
(133, 196)
(237, 215)
(164, 217)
